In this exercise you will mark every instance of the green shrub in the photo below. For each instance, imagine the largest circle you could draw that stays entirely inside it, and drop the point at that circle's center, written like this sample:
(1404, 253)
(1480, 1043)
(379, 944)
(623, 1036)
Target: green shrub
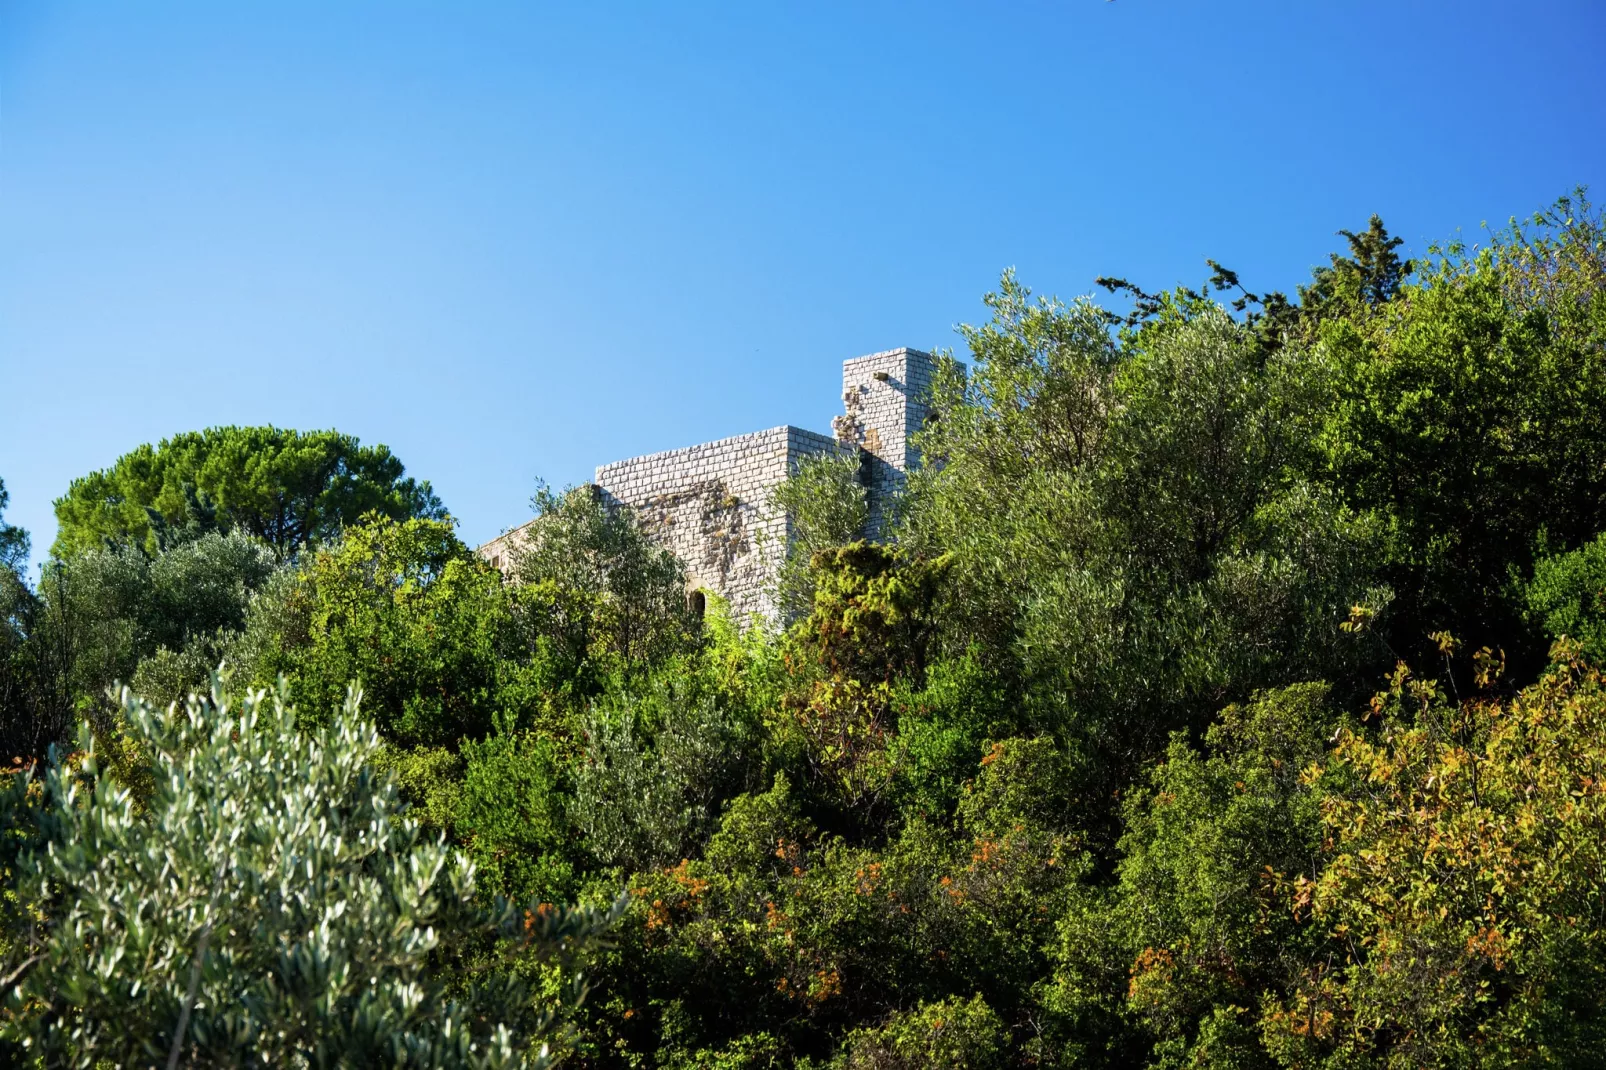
(1567, 596)
(951, 1034)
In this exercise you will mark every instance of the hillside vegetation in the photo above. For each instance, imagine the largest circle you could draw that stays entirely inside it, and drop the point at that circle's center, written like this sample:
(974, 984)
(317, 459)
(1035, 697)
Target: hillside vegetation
(1232, 693)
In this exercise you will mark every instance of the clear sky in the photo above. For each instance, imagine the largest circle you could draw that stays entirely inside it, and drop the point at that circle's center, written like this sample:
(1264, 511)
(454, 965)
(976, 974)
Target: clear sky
(518, 240)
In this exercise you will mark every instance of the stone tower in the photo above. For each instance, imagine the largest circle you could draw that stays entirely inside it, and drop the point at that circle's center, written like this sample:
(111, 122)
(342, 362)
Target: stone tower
(884, 402)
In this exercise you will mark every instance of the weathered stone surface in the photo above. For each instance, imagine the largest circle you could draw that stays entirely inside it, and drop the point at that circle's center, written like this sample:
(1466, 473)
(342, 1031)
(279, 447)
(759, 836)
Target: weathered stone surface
(707, 503)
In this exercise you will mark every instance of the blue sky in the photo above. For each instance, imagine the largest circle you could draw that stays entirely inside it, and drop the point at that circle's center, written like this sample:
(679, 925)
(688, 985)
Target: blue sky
(519, 240)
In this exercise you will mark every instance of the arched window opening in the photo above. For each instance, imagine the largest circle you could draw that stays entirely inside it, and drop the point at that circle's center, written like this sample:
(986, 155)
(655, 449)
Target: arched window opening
(697, 603)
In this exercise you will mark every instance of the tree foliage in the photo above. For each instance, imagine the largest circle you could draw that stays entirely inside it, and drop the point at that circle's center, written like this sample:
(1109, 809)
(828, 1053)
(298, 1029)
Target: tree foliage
(33, 694)
(1134, 529)
(13, 540)
(1469, 419)
(1567, 597)
(578, 548)
(120, 610)
(287, 488)
(408, 612)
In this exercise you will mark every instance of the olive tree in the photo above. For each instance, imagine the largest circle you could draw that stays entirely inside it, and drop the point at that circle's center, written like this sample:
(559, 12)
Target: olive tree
(262, 899)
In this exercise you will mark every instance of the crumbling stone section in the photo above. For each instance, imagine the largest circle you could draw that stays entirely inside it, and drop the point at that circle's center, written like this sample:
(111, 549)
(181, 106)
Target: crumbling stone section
(709, 503)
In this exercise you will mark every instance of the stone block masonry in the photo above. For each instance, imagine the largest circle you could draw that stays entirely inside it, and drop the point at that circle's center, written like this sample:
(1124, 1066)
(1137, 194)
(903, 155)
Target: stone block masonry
(708, 504)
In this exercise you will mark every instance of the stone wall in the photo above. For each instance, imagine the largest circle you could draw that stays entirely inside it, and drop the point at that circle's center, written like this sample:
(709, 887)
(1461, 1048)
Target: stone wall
(708, 503)
(499, 551)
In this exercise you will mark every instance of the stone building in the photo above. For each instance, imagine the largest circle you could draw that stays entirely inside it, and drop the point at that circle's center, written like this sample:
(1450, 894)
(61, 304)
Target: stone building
(708, 503)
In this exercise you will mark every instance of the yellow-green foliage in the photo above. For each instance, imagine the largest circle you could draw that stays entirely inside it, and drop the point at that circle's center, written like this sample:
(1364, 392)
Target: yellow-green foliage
(1462, 885)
